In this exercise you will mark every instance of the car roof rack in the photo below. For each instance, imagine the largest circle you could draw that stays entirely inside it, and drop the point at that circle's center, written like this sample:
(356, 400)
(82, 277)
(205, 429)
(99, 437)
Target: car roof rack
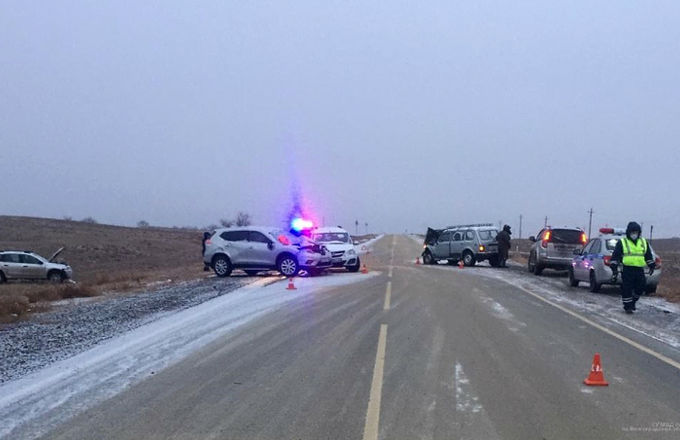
(16, 250)
(473, 225)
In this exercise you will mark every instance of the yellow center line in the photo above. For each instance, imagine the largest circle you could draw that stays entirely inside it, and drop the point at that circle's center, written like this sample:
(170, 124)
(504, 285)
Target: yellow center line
(388, 295)
(372, 425)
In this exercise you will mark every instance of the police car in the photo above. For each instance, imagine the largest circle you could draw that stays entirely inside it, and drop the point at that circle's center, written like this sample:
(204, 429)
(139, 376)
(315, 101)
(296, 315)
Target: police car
(591, 265)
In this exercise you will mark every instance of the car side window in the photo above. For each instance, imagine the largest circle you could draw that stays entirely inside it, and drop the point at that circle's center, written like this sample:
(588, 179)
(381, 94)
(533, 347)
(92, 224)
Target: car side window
(469, 235)
(458, 236)
(595, 248)
(11, 258)
(29, 259)
(234, 235)
(258, 237)
(446, 236)
(588, 247)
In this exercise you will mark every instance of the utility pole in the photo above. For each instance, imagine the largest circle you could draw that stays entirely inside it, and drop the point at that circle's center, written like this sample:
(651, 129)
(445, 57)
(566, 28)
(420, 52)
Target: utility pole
(366, 224)
(545, 225)
(356, 226)
(651, 232)
(590, 222)
(520, 226)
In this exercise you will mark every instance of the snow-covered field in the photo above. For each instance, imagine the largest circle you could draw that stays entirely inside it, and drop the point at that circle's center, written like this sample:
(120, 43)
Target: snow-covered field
(44, 398)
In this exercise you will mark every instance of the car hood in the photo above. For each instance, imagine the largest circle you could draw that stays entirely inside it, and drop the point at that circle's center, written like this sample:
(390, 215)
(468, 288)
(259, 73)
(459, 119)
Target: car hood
(56, 254)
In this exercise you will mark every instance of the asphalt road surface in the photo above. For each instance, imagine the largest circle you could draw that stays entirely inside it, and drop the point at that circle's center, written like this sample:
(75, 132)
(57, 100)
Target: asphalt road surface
(415, 353)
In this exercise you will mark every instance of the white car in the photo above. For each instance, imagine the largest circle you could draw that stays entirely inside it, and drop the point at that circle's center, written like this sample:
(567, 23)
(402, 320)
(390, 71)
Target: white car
(339, 243)
(27, 265)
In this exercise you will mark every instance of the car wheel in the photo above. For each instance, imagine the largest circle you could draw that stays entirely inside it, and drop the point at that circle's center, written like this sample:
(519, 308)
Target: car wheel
(252, 273)
(468, 259)
(427, 258)
(531, 264)
(573, 282)
(2, 278)
(55, 276)
(288, 266)
(355, 268)
(222, 266)
(594, 285)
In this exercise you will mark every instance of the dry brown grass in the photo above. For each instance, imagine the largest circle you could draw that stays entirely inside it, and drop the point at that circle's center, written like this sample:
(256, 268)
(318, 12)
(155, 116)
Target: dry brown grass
(104, 259)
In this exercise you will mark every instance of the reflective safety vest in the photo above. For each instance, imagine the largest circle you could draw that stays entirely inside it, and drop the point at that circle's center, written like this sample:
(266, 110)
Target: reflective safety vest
(634, 254)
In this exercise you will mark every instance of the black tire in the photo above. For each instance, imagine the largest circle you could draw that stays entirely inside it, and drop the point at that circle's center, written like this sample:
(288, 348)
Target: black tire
(594, 285)
(494, 261)
(538, 269)
(468, 259)
(573, 282)
(222, 266)
(355, 268)
(428, 258)
(252, 273)
(3, 279)
(56, 276)
(288, 265)
(533, 265)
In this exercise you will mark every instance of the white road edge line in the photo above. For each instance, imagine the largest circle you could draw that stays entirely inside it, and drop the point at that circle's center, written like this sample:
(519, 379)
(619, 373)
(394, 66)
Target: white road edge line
(388, 295)
(602, 328)
(371, 428)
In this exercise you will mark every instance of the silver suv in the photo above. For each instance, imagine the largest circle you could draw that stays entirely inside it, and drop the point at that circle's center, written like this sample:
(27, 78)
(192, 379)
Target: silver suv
(27, 265)
(554, 248)
(470, 243)
(257, 249)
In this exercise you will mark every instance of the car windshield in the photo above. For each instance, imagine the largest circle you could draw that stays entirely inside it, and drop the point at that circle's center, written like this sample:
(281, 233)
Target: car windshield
(332, 237)
(488, 234)
(568, 236)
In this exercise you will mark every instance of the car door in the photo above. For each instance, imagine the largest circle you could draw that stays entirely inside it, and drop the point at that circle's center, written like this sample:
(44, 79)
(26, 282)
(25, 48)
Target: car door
(32, 268)
(11, 265)
(235, 245)
(260, 250)
(580, 271)
(593, 259)
(457, 244)
(468, 241)
(442, 249)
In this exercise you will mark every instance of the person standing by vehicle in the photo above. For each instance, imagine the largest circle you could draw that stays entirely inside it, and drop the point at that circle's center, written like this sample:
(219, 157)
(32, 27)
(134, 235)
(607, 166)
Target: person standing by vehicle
(206, 237)
(503, 239)
(633, 252)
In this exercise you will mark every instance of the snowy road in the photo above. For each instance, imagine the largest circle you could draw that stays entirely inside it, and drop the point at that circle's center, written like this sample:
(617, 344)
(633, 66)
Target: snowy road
(405, 352)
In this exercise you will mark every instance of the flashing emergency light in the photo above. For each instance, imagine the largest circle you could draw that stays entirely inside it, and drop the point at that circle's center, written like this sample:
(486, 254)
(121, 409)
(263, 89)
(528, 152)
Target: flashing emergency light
(299, 224)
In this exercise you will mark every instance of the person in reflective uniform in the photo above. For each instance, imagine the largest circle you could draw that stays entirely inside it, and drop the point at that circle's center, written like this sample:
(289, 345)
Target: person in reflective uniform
(634, 254)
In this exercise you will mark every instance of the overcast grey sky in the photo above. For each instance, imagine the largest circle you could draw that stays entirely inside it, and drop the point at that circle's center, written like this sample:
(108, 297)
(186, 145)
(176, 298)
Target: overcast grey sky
(399, 114)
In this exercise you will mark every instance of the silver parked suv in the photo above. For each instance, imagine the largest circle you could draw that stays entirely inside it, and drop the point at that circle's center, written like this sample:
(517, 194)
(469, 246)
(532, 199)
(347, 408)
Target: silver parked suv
(27, 265)
(470, 243)
(554, 248)
(257, 249)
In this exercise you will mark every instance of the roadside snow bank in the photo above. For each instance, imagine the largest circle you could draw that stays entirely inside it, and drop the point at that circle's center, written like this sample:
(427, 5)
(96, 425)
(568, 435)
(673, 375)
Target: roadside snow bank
(43, 399)
(367, 246)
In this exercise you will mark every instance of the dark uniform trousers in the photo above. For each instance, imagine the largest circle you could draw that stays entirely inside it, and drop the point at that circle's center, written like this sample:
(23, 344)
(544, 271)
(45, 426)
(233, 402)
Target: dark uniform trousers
(633, 285)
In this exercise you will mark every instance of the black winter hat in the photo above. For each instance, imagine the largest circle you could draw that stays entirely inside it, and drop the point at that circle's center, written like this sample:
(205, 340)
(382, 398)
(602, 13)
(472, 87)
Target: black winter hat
(632, 227)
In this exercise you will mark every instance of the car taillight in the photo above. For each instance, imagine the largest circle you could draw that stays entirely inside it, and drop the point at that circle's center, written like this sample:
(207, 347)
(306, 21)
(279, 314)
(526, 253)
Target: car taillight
(657, 262)
(607, 260)
(584, 239)
(481, 248)
(546, 239)
(283, 240)
(208, 242)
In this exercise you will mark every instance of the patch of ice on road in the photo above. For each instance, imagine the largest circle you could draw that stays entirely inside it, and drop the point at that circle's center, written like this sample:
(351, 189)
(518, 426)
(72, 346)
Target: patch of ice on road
(655, 317)
(43, 399)
(466, 401)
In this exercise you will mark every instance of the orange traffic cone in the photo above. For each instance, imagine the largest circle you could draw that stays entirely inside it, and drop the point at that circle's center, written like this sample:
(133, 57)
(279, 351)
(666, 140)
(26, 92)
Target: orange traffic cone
(596, 376)
(461, 264)
(418, 260)
(364, 269)
(291, 285)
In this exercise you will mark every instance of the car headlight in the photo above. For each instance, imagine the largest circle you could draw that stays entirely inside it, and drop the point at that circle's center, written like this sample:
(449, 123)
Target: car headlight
(351, 252)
